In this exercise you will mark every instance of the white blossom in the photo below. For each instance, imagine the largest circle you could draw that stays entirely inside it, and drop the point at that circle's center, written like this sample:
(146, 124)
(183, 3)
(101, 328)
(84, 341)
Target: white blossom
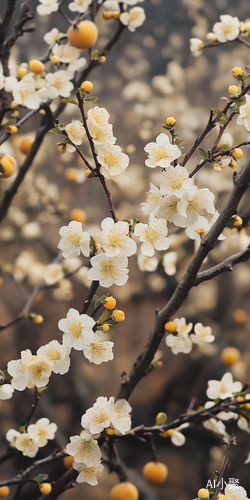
(180, 342)
(52, 36)
(53, 273)
(115, 238)
(78, 329)
(46, 7)
(235, 492)
(101, 136)
(25, 93)
(98, 117)
(120, 415)
(196, 46)
(161, 153)
(22, 442)
(216, 426)
(37, 372)
(169, 262)
(6, 391)
(145, 263)
(152, 235)
(227, 29)
(16, 368)
(133, 18)
(243, 424)
(152, 199)
(99, 352)
(175, 180)
(59, 82)
(88, 474)
(74, 240)
(42, 431)
(177, 438)
(224, 388)
(56, 355)
(66, 53)
(79, 5)
(112, 160)
(194, 204)
(75, 131)
(97, 418)
(244, 116)
(109, 270)
(84, 449)
(202, 334)
(111, 6)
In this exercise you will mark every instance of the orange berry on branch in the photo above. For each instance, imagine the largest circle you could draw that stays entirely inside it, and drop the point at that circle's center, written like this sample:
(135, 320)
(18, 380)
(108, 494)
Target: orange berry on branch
(83, 35)
(230, 356)
(45, 488)
(36, 66)
(124, 491)
(155, 472)
(4, 491)
(8, 166)
(25, 145)
(68, 461)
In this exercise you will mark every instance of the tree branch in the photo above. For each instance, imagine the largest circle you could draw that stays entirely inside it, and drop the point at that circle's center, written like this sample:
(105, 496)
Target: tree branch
(139, 369)
(226, 265)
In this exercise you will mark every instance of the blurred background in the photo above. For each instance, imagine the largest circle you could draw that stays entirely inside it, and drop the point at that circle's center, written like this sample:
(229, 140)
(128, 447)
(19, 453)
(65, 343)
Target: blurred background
(148, 76)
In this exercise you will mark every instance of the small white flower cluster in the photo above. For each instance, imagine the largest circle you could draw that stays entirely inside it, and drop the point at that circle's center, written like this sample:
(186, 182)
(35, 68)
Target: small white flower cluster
(36, 436)
(79, 335)
(228, 29)
(244, 114)
(109, 267)
(177, 199)
(46, 7)
(34, 371)
(105, 415)
(223, 389)
(181, 341)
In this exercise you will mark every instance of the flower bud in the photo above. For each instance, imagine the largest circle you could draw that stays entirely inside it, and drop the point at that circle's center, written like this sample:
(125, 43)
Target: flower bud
(102, 59)
(62, 148)
(235, 221)
(78, 215)
(36, 66)
(110, 431)
(170, 122)
(234, 90)
(233, 164)
(118, 316)
(45, 488)
(36, 318)
(212, 38)
(109, 303)
(8, 166)
(237, 153)
(87, 86)
(55, 60)
(203, 493)
(161, 418)
(105, 328)
(107, 15)
(21, 72)
(170, 326)
(11, 129)
(237, 72)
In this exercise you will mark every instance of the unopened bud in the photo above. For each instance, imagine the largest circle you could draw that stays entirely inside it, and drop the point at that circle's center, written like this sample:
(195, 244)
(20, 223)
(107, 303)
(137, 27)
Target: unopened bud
(234, 90)
(170, 122)
(170, 326)
(212, 38)
(237, 153)
(62, 148)
(87, 86)
(118, 316)
(203, 493)
(55, 60)
(11, 129)
(235, 221)
(102, 59)
(233, 164)
(237, 72)
(161, 418)
(36, 318)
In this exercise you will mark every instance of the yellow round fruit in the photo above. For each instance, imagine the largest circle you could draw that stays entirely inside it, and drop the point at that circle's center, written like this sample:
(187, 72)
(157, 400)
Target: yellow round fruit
(170, 121)
(110, 303)
(230, 356)
(118, 316)
(78, 215)
(107, 15)
(87, 86)
(9, 165)
(55, 60)
(237, 72)
(25, 145)
(36, 66)
(45, 488)
(71, 174)
(68, 461)
(124, 491)
(4, 491)
(83, 35)
(105, 328)
(155, 472)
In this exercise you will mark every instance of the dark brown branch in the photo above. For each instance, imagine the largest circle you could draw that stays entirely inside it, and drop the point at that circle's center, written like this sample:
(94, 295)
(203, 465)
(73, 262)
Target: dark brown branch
(87, 301)
(181, 292)
(232, 442)
(226, 265)
(4, 27)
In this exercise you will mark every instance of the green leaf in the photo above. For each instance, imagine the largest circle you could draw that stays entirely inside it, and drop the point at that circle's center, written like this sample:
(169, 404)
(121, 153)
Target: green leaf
(102, 318)
(40, 478)
(165, 126)
(203, 153)
(179, 142)
(97, 300)
(91, 99)
(161, 418)
(92, 244)
(94, 54)
(240, 101)
(224, 147)
(55, 131)
(234, 107)
(70, 101)
(5, 374)
(110, 322)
